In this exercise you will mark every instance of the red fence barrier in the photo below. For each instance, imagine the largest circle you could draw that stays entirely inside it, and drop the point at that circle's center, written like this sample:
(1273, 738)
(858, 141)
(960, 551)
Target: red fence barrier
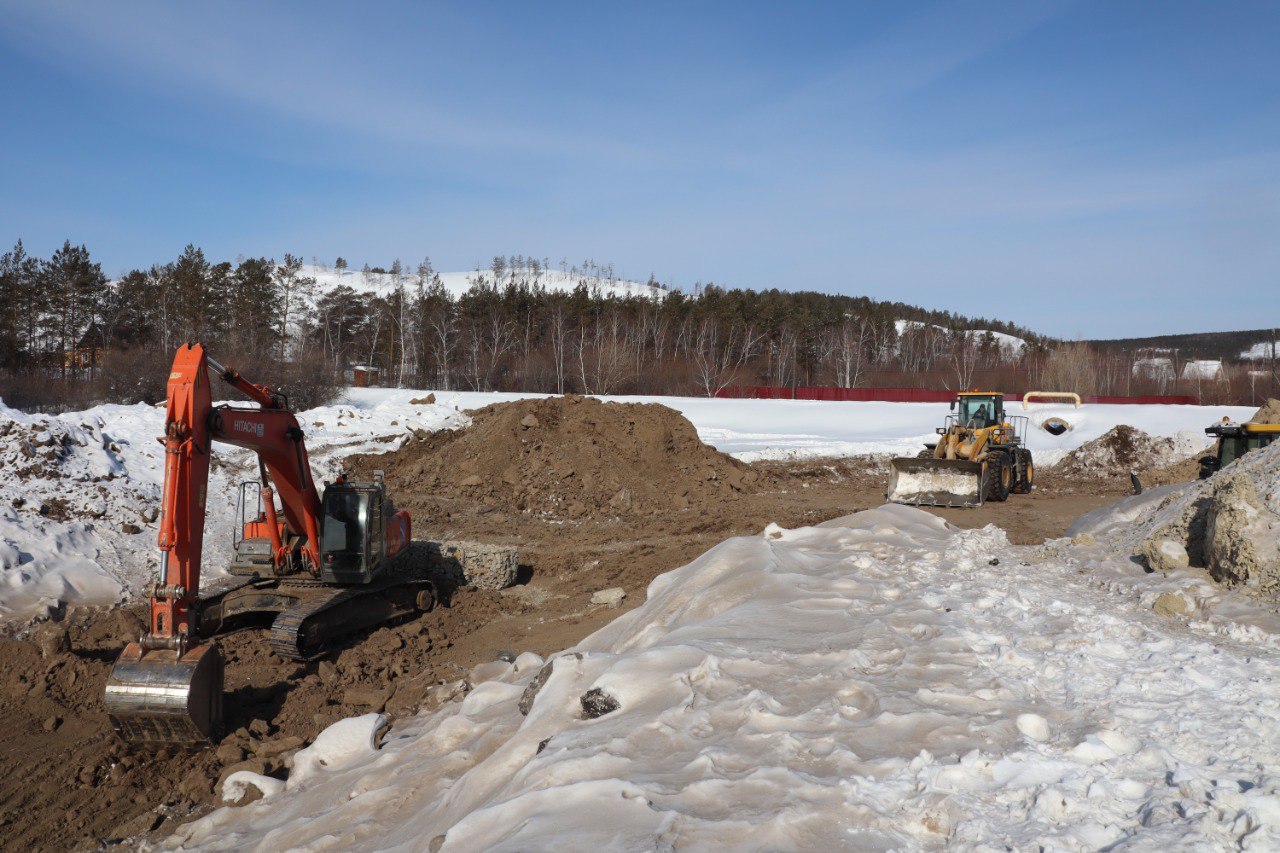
(918, 395)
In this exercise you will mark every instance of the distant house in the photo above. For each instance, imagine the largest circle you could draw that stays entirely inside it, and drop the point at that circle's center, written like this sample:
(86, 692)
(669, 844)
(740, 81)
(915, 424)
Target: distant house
(1203, 369)
(362, 375)
(1160, 369)
(87, 352)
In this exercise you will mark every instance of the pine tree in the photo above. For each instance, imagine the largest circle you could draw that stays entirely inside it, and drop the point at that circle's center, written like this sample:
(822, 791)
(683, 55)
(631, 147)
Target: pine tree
(75, 285)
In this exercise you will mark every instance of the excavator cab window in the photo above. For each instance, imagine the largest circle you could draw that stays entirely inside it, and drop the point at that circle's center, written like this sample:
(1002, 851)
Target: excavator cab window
(344, 537)
(983, 411)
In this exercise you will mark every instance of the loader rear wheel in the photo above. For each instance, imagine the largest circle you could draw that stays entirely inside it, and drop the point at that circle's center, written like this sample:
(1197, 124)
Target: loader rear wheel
(1026, 480)
(999, 476)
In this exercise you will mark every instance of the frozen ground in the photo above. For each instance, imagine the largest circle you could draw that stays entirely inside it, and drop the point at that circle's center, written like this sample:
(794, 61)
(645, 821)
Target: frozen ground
(881, 681)
(80, 492)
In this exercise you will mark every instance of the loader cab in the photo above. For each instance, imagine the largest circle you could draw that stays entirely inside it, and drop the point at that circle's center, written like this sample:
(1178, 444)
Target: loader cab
(352, 533)
(980, 409)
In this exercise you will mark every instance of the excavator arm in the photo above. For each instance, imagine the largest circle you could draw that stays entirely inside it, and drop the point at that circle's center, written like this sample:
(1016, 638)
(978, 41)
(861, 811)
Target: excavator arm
(167, 687)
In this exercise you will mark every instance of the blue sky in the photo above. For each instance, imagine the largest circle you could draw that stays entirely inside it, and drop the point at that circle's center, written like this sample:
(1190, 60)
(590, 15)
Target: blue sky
(1084, 168)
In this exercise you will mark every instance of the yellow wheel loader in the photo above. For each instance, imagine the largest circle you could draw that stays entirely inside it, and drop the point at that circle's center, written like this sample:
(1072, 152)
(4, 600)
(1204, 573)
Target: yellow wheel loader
(979, 456)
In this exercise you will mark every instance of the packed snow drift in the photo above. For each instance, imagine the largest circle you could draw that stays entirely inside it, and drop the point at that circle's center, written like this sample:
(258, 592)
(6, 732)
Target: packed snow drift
(880, 681)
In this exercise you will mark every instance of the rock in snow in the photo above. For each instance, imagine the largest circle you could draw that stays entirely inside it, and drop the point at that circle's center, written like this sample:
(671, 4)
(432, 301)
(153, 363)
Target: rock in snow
(872, 682)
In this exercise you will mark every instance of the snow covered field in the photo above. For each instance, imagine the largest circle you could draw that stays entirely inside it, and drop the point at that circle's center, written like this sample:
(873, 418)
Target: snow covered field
(75, 487)
(881, 681)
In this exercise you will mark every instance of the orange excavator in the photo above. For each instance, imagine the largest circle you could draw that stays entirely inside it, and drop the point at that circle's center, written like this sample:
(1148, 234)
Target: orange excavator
(319, 567)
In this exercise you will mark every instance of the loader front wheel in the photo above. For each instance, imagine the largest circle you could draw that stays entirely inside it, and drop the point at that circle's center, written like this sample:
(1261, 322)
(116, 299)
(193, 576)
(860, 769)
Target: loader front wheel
(999, 476)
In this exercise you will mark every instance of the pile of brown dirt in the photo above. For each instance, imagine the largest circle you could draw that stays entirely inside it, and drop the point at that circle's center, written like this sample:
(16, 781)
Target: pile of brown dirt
(571, 458)
(1119, 450)
(1268, 414)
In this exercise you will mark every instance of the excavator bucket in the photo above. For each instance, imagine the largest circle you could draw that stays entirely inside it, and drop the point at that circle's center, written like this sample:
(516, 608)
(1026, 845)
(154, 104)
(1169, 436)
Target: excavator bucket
(935, 482)
(155, 696)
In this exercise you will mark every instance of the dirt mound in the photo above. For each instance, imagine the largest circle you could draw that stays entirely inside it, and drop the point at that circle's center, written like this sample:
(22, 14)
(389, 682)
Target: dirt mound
(1118, 451)
(570, 458)
(1268, 414)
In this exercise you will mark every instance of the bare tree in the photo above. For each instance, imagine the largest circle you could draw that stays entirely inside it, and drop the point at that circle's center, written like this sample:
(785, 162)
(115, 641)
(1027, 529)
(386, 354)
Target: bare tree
(295, 294)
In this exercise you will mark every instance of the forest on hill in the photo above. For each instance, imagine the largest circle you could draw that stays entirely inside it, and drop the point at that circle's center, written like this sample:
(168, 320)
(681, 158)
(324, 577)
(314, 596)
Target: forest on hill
(70, 336)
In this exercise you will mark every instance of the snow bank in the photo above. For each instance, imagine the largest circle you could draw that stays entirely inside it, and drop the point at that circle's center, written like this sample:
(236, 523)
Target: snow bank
(1228, 524)
(880, 681)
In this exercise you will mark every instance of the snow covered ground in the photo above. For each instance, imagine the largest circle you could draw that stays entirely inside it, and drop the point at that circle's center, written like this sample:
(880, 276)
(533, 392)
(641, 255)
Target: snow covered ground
(80, 492)
(881, 681)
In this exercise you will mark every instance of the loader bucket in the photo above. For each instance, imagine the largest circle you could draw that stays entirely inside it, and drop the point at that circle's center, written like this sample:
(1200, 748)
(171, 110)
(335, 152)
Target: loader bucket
(935, 482)
(153, 696)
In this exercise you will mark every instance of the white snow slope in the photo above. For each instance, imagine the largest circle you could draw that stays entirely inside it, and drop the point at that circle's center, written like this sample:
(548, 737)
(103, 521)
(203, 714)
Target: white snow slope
(458, 283)
(876, 682)
(106, 464)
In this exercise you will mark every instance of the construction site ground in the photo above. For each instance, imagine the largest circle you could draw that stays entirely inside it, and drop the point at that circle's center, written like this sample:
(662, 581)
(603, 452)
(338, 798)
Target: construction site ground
(67, 783)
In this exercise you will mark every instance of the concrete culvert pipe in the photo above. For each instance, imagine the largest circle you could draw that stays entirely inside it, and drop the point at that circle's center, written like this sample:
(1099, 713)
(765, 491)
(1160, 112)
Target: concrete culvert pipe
(1055, 426)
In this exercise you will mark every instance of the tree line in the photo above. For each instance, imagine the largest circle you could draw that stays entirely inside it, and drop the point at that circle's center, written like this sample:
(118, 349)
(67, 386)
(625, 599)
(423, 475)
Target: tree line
(71, 336)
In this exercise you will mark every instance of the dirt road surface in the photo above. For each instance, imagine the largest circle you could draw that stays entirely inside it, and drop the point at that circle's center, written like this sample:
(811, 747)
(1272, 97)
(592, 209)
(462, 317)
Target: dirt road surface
(66, 782)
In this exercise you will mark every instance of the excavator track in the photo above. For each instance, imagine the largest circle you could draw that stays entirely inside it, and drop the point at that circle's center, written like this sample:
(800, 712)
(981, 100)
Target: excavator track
(304, 631)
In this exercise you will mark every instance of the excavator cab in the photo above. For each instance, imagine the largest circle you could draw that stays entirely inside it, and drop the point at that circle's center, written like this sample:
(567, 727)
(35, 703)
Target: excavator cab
(360, 530)
(350, 533)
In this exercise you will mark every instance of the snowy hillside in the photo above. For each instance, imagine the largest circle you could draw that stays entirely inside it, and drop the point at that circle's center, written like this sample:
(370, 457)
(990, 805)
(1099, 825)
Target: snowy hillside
(881, 681)
(1010, 346)
(81, 492)
(1263, 351)
(458, 283)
